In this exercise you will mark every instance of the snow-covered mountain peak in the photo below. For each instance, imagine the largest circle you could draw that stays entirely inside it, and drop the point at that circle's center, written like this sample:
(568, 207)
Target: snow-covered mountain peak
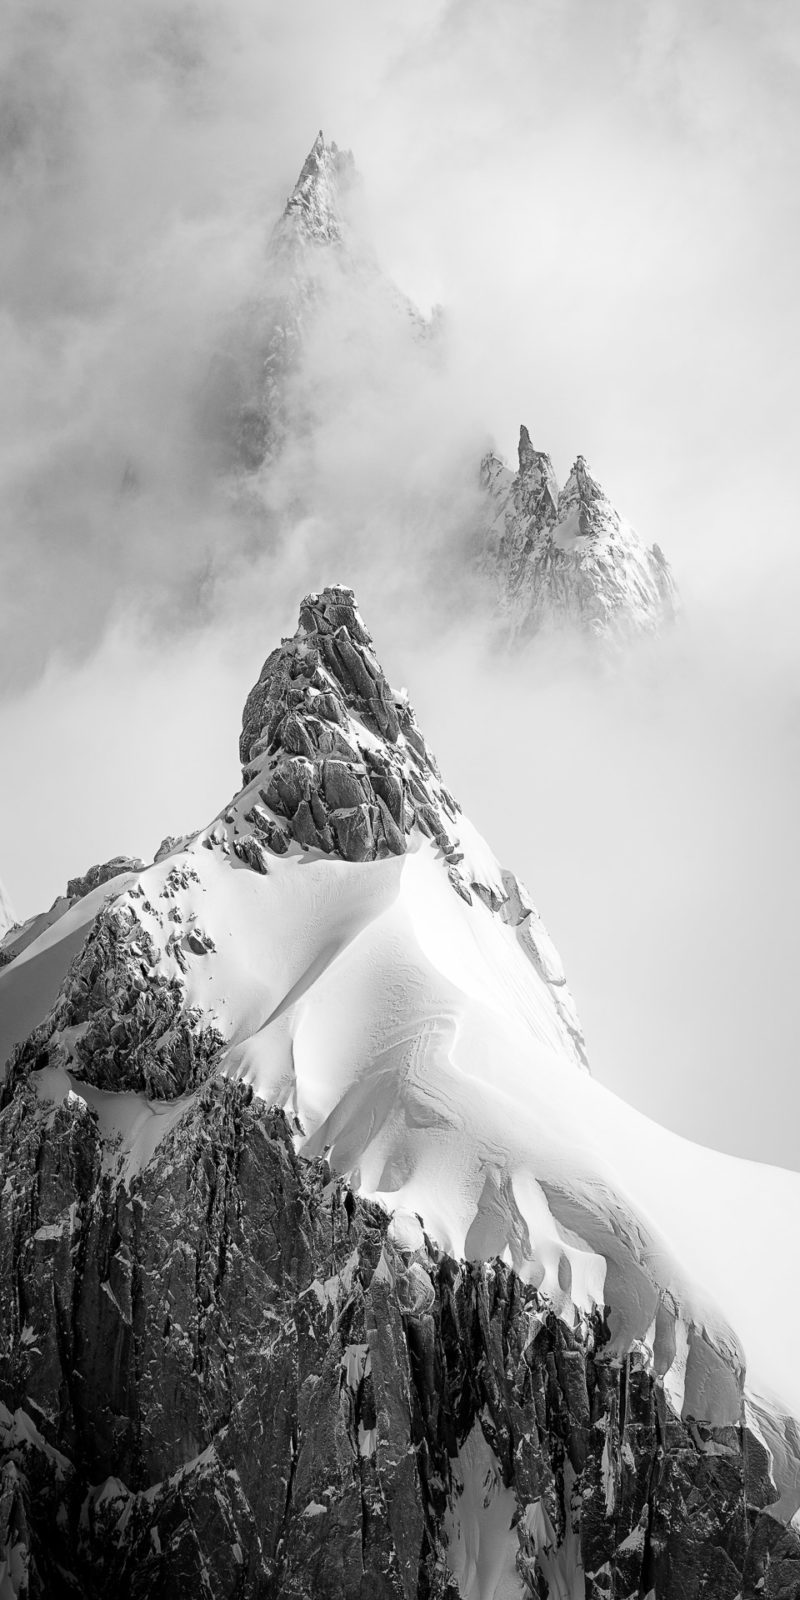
(334, 762)
(309, 341)
(315, 210)
(340, 941)
(565, 557)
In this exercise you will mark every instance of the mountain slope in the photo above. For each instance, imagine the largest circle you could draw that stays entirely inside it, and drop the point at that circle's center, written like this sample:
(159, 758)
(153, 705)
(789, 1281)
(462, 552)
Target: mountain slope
(565, 557)
(447, 1259)
(8, 918)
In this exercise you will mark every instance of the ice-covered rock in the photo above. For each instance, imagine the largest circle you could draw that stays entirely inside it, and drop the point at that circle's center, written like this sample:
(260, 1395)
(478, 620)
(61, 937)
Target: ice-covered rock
(565, 557)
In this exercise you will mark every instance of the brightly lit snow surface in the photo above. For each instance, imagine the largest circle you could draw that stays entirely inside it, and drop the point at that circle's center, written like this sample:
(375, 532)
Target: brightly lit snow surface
(411, 1040)
(427, 1047)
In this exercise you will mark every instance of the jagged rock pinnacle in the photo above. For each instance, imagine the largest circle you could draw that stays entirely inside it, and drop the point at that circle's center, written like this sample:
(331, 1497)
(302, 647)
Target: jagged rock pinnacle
(333, 760)
(310, 736)
(315, 205)
(527, 454)
(565, 557)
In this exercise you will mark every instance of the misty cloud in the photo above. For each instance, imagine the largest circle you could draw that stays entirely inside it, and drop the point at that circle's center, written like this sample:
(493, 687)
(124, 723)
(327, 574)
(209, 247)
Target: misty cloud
(604, 199)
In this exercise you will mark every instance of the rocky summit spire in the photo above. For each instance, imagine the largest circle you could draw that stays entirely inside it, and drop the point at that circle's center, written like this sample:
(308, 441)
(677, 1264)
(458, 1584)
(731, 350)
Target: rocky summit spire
(320, 273)
(314, 211)
(333, 761)
(566, 557)
(538, 486)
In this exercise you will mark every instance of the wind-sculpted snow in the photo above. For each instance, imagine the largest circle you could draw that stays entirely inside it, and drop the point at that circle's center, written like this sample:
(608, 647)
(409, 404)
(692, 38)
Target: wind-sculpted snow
(565, 557)
(342, 944)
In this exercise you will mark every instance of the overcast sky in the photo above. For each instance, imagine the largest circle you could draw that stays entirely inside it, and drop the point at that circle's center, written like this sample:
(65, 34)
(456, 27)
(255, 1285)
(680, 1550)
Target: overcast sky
(604, 197)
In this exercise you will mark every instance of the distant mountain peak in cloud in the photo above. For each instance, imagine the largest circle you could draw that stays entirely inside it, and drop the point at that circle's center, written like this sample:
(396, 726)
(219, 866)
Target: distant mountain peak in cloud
(314, 209)
(327, 332)
(316, 324)
(565, 556)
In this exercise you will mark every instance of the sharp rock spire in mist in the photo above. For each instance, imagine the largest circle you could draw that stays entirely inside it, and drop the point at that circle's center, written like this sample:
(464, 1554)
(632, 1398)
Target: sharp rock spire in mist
(316, 210)
(309, 346)
(565, 557)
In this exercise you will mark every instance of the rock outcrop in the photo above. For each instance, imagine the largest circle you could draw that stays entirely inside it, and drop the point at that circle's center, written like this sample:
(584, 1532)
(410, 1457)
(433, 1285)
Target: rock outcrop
(20, 935)
(222, 1375)
(122, 1019)
(101, 873)
(564, 557)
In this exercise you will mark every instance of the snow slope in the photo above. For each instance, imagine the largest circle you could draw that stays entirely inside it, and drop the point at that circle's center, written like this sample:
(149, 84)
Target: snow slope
(414, 1036)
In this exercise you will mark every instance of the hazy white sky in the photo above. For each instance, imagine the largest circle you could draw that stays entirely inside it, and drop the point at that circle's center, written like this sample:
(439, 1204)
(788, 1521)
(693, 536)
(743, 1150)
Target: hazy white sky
(604, 196)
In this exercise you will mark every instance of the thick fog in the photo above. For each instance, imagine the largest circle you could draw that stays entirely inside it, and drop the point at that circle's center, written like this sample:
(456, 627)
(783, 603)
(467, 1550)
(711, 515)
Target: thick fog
(603, 199)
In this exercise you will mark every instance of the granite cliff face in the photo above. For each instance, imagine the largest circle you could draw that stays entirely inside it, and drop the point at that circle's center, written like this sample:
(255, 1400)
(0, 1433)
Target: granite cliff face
(565, 557)
(221, 1376)
(281, 1314)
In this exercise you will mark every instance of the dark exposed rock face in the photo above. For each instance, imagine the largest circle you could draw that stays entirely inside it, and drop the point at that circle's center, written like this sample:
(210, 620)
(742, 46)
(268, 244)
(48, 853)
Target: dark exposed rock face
(341, 756)
(223, 1377)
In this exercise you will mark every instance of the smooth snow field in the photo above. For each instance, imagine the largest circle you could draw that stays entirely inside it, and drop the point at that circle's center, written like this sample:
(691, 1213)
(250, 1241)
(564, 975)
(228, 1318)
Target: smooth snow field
(411, 1040)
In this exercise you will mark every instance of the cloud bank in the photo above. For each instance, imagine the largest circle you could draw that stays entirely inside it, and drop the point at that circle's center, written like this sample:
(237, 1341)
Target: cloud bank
(603, 196)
